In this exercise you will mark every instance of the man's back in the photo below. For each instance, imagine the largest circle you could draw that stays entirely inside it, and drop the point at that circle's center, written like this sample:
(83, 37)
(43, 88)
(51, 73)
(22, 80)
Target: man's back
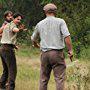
(51, 34)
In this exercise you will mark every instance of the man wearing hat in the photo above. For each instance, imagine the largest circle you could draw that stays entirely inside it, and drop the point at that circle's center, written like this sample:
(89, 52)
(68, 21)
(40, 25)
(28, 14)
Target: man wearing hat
(53, 33)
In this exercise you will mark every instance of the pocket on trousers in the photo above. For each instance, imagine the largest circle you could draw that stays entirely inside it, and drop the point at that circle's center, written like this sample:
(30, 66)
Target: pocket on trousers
(62, 55)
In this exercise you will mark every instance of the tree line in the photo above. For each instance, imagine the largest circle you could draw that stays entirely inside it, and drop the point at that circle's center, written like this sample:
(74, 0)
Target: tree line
(74, 12)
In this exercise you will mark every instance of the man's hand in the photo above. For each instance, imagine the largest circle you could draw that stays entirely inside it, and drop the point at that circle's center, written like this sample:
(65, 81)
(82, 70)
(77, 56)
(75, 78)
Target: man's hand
(16, 47)
(1, 28)
(36, 45)
(21, 26)
(69, 46)
(70, 53)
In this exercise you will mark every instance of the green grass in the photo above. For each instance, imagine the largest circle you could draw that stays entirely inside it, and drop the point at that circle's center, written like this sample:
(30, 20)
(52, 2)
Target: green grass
(27, 51)
(85, 53)
(28, 64)
(27, 76)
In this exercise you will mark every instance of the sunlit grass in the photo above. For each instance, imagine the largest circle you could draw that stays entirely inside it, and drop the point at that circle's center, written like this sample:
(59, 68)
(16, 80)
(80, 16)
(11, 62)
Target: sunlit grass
(28, 64)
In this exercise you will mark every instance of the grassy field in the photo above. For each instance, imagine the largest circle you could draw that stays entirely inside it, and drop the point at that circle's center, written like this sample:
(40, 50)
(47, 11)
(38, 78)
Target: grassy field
(78, 72)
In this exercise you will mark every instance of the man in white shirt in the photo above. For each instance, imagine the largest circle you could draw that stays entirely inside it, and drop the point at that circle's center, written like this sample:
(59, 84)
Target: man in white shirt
(53, 33)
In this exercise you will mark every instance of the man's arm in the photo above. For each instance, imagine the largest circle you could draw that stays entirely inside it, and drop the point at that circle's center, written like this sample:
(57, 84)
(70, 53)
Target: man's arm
(69, 46)
(18, 29)
(34, 37)
(35, 44)
(1, 30)
(66, 35)
(34, 40)
(2, 27)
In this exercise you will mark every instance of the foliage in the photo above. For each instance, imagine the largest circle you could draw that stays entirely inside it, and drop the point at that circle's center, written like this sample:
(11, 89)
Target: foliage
(74, 12)
(77, 73)
(79, 76)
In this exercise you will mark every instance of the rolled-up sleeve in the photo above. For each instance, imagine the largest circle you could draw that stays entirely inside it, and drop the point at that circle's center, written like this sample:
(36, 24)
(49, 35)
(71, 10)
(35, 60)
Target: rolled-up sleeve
(64, 29)
(35, 34)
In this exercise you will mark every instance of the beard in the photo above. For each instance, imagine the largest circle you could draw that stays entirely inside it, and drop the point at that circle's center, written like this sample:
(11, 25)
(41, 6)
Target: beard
(8, 20)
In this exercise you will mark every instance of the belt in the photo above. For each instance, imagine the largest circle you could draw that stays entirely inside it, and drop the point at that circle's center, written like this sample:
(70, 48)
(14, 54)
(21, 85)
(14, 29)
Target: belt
(60, 50)
(8, 45)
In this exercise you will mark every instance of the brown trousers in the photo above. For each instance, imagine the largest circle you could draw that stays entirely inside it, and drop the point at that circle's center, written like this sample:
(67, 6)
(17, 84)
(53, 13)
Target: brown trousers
(52, 60)
(9, 67)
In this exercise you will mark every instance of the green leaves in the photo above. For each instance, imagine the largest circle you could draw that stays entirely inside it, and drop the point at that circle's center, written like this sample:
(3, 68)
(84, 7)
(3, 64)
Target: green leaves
(74, 12)
(45, 1)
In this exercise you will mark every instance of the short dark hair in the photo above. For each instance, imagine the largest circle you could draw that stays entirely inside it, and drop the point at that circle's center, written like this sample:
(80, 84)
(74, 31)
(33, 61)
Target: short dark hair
(17, 14)
(7, 12)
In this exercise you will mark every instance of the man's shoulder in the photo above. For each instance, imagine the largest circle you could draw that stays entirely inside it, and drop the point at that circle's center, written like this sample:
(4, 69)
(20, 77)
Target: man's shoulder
(12, 24)
(59, 19)
(5, 22)
(42, 21)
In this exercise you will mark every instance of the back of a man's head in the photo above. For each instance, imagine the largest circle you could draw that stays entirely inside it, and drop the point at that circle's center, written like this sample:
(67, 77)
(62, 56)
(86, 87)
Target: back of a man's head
(50, 8)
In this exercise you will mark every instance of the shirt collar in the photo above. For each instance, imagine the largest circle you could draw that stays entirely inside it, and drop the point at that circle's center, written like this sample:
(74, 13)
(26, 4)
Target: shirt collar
(50, 16)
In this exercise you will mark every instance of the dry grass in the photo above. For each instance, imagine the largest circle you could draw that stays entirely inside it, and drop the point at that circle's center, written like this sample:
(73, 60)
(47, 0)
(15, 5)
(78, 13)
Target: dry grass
(78, 76)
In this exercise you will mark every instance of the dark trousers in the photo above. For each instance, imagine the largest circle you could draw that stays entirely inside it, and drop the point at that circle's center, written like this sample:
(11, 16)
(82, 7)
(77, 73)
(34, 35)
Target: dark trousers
(9, 67)
(52, 60)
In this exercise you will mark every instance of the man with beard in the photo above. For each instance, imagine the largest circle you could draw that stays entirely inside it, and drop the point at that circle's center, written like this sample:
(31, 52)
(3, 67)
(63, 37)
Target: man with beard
(8, 41)
(8, 16)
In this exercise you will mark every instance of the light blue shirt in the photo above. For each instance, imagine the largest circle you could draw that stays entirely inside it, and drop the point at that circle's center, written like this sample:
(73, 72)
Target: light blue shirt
(52, 32)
